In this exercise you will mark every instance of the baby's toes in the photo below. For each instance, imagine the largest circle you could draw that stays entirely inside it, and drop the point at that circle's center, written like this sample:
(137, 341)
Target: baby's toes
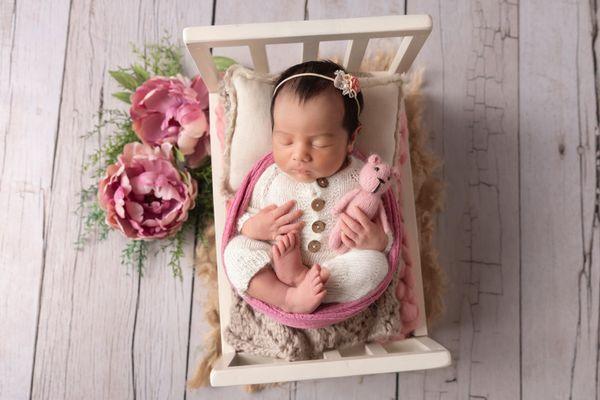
(321, 295)
(314, 271)
(280, 245)
(286, 241)
(317, 279)
(275, 251)
(292, 236)
(318, 288)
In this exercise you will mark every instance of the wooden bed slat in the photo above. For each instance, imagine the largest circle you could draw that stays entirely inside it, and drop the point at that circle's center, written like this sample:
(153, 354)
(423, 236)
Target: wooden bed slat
(206, 65)
(310, 50)
(354, 54)
(375, 349)
(332, 355)
(357, 31)
(419, 353)
(406, 54)
(259, 57)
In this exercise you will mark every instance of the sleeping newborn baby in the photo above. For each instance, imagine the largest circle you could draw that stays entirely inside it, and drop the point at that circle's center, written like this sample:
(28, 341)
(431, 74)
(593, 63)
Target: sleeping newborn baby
(281, 255)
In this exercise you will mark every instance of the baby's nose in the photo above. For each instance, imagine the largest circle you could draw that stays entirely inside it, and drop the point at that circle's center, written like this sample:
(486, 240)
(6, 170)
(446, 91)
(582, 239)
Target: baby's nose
(301, 153)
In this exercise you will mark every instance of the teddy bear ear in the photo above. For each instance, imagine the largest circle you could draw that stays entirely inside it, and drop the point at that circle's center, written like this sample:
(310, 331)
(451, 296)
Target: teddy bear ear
(374, 159)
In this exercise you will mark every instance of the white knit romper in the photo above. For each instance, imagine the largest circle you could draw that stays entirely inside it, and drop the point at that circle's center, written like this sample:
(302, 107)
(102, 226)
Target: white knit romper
(353, 274)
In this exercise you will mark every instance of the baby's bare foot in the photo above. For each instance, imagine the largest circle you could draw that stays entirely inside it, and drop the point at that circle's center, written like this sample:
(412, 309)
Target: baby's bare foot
(287, 259)
(309, 293)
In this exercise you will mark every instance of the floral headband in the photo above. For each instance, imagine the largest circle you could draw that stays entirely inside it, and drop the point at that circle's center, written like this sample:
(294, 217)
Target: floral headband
(347, 83)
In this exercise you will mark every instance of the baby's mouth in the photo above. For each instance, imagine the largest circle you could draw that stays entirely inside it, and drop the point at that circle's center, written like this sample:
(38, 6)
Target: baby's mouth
(301, 171)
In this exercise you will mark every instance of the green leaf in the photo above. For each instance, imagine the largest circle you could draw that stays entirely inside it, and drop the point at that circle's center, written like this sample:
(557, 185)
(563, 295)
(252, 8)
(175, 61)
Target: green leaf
(164, 58)
(176, 254)
(140, 73)
(178, 154)
(125, 80)
(179, 160)
(184, 177)
(135, 254)
(223, 63)
(123, 96)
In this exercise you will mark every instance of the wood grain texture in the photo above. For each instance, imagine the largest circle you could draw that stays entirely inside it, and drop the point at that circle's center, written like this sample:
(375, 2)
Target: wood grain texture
(31, 35)
(559, 183)
(471, 62)
(104, 332)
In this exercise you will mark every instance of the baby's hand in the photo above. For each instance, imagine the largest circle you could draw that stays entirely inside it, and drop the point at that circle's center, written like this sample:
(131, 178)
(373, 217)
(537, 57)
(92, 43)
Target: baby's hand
(272, 221)
(364, 233)
(336, 211)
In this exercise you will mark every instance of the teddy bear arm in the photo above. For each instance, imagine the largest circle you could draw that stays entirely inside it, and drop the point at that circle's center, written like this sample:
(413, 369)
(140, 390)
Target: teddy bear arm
(344, 201)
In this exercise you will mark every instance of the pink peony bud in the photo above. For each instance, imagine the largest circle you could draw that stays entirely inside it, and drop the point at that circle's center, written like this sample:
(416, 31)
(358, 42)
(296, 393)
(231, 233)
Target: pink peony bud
(173, 110)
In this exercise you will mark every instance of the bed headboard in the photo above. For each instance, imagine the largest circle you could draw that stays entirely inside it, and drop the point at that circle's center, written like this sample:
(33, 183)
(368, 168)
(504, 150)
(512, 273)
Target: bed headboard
(413, 29)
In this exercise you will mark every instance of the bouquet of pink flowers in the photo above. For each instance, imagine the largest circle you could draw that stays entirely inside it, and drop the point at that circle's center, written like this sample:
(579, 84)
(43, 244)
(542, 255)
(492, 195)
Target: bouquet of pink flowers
(153, 174)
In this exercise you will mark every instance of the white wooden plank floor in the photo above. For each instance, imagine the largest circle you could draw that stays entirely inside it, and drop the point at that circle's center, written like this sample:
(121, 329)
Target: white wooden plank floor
(512, 102)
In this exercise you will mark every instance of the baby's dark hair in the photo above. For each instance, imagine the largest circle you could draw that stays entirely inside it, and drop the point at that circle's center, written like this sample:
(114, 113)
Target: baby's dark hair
(307, 87)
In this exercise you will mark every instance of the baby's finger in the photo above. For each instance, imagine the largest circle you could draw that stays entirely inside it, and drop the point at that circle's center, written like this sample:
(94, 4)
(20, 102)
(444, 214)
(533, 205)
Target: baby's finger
(349, 232)
(284, 208)
(269, 207)
(347, 241)
(290, 227)
(289, 217)
(351, 222)
(362, 217)
(292, 236)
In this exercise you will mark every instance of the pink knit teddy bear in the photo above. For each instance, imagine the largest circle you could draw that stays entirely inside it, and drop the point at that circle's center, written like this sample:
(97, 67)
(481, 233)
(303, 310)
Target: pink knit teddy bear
(374, 180)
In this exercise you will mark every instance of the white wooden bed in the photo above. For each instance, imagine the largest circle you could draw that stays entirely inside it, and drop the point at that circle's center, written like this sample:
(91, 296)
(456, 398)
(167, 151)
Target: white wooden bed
(419, 352)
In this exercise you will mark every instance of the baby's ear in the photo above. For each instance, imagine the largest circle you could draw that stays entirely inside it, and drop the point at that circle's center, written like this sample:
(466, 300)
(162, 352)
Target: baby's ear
(374, 159)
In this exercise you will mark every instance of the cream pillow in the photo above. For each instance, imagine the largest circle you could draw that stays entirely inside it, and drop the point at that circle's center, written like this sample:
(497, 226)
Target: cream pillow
(246, 95)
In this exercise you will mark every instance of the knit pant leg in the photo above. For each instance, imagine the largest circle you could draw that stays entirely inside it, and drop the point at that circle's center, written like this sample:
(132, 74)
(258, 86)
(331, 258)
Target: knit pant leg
(243, 258)
(354, 274)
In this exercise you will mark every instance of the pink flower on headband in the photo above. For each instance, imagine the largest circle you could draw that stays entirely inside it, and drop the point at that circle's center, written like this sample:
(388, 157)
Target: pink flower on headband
(355, 84)
(349, 84)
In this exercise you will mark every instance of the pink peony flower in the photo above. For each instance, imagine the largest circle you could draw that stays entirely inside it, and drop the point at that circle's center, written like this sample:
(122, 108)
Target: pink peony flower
(144, 195)
(173, 110)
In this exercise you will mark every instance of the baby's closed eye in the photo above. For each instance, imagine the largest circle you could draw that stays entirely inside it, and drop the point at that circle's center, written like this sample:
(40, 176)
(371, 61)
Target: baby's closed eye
(285, 142)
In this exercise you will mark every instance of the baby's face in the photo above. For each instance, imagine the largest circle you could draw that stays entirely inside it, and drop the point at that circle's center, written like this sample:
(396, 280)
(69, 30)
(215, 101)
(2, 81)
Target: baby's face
(309, 140)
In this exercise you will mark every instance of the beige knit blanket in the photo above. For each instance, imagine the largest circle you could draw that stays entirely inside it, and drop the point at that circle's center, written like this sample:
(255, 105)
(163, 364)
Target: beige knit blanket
(377, 321)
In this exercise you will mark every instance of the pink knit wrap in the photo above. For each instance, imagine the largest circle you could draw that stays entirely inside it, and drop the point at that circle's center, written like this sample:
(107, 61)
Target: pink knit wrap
(325, 314)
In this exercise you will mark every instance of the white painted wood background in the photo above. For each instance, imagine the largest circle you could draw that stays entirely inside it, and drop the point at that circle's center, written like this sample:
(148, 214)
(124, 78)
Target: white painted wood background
(512, 102)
